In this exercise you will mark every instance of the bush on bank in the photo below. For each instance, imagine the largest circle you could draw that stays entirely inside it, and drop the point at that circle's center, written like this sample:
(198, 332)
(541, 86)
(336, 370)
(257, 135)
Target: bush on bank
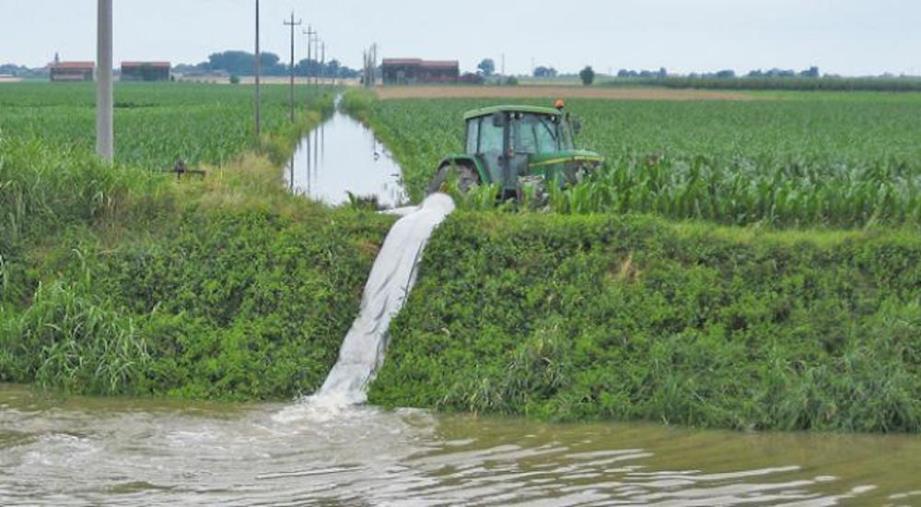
(583, 317)
(123, 281)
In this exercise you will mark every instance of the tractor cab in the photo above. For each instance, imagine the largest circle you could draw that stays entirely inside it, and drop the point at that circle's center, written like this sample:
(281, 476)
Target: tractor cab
(518, 145)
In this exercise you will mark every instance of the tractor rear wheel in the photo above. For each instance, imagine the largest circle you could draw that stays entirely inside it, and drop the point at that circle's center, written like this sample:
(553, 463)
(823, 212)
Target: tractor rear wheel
(467, 178)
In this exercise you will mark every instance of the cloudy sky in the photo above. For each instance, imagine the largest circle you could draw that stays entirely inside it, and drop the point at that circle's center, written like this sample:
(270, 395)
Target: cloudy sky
(851, 37)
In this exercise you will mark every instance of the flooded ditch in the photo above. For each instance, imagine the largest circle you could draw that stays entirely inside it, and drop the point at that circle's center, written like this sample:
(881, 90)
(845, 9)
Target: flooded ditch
(342, 156)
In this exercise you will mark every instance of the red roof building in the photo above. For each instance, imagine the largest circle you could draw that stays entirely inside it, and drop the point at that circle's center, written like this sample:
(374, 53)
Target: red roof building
(72, 71)
(415, 71)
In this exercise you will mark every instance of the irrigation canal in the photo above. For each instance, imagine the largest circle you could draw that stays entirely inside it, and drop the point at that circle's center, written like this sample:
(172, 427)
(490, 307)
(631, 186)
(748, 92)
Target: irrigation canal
(329, 448)
(341, 156)
(80, 451)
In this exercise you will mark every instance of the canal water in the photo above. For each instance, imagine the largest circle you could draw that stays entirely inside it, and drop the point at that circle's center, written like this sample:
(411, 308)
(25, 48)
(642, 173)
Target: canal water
(342, 156)
(79, 451)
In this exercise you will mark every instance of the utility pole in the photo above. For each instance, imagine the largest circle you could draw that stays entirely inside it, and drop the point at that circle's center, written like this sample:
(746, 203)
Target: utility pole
(311, 37)
(370, 70)
(316, 57)
(323, 61)
(503, 64)
(292, 24)
(258, 71)
(104, 95)
(309, 33)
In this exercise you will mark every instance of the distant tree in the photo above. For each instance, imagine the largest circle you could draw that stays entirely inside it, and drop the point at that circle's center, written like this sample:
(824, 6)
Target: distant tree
(545, 72)
(812, 72)
(587, 75)
(242, 63)
(487, 67)
(234, 79)
(726, 74)
(663, 73)
(511, 81)
(332, 68)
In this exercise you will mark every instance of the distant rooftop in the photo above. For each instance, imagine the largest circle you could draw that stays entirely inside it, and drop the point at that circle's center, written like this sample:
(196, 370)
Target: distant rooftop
(74, 65)
(450, 64)
(145, 64)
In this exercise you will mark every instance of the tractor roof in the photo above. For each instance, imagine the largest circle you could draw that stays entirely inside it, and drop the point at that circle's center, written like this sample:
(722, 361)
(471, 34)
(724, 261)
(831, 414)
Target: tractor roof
(486, 111)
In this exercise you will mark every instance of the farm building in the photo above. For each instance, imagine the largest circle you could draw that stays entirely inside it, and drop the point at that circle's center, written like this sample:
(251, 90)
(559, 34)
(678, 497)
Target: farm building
(145, 71)
(414, 70)
(72, 71)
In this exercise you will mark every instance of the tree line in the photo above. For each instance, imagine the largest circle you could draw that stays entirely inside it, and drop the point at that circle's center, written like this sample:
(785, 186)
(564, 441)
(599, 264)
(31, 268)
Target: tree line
(242, 63)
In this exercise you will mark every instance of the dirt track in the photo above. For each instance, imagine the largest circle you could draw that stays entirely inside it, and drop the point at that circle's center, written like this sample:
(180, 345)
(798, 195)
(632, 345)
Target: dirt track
(434, 92)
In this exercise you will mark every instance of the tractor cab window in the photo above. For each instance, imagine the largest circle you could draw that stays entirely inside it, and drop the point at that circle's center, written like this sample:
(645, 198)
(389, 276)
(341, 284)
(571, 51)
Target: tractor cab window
(473, 135)
(533, 133)
(490, 136)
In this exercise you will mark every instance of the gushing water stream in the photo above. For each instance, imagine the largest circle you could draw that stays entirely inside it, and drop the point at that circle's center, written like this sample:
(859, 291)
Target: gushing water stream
(392, 277)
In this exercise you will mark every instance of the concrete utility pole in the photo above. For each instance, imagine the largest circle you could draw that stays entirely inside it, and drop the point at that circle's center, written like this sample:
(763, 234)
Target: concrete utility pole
(323, 61)
(258, 71)
(292, 24)
(310, 40)
(316, 58)
(104, 96)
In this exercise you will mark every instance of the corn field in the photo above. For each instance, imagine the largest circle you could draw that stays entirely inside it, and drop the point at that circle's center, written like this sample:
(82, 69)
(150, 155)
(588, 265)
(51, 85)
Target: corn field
(803, 160)
(155, 124)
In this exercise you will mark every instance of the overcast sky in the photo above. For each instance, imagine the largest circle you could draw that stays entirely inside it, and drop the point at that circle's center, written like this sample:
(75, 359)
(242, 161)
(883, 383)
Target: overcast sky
(851, 37)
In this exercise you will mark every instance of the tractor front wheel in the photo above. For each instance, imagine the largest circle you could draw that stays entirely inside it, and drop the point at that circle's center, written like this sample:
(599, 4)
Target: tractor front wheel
(466, 177)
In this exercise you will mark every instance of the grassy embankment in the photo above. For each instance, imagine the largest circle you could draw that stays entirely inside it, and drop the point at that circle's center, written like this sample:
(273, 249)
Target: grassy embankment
(230, 288)
(806, 319)
(120, 280)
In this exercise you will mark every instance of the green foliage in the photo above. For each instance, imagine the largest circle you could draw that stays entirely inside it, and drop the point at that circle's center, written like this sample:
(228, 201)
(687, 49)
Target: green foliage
(218, 303)
(633, 318)
(117, 280)
(69, 341)
(587, 75)
(487, 67)
(808, 160)
(156, 123)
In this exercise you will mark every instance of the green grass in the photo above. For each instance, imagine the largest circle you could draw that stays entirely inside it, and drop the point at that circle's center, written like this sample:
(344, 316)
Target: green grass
(122, 280)
(827, 159)
(156, 124)
(627, 317)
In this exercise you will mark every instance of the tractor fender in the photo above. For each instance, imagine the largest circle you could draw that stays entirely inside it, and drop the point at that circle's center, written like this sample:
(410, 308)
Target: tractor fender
(468, 160)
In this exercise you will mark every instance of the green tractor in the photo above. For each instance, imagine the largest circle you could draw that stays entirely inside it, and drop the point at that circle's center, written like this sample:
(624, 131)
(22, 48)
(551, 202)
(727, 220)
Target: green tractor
(516, 147)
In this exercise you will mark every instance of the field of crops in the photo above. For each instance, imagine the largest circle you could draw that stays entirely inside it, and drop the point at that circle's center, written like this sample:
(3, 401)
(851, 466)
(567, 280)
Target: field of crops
(155, 124)
(790, 160)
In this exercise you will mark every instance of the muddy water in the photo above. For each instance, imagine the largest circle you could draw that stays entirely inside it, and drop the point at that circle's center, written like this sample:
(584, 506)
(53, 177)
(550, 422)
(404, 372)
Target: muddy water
(341, 156)
(131, 452)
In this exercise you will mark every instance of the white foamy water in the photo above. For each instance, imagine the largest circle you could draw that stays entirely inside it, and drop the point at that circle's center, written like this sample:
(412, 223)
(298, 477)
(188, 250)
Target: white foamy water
(391, 279)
